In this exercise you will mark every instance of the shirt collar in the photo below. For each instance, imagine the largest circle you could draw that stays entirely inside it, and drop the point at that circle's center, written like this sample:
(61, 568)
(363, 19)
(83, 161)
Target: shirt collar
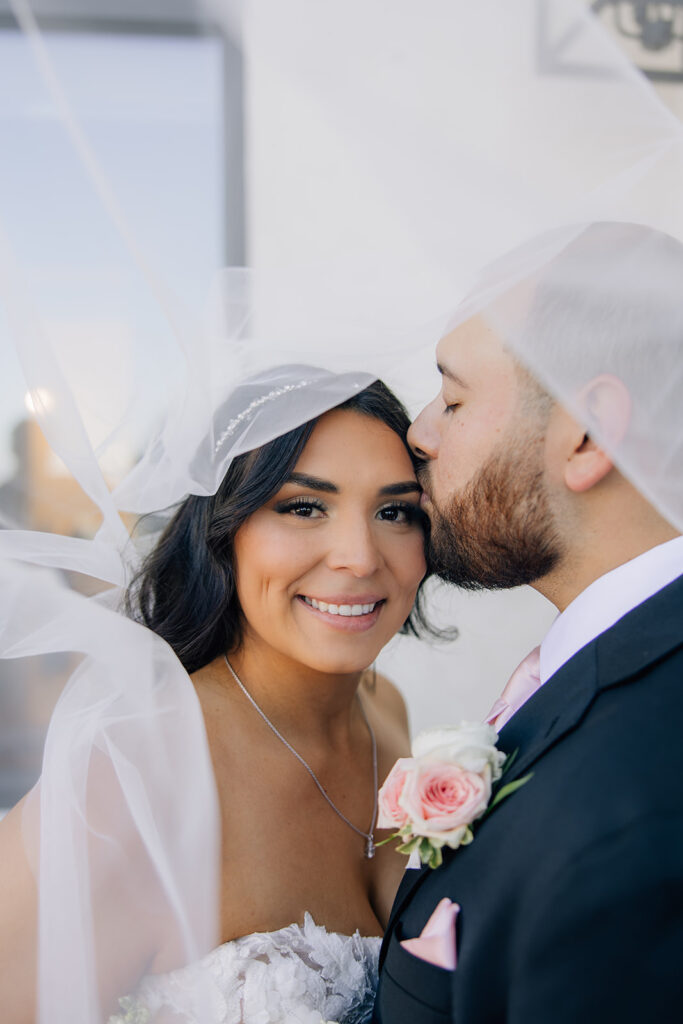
(607, 600)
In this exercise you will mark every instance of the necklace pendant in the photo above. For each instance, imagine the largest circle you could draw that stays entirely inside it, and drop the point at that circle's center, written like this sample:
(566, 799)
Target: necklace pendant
(369, 848)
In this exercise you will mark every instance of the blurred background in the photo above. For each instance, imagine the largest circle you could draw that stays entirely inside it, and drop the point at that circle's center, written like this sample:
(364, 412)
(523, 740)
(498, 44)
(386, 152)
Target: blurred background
(195, 153)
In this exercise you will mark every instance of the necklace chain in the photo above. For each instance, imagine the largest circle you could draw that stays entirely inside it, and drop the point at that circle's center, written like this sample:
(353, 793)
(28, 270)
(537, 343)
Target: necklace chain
(367, 836)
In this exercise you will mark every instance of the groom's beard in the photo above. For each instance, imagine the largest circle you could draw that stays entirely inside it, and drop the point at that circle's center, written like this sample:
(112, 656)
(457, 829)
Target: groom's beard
(499, 533)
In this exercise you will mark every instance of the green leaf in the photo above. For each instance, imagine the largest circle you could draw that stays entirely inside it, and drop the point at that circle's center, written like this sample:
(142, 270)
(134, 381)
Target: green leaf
(509, 761)
(508, 790)
(426, 847)
(435, 859)
(467, 837)
(408, 847)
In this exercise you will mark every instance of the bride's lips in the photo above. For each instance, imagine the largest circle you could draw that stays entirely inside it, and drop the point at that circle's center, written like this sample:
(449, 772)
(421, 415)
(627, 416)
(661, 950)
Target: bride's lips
(350, 616)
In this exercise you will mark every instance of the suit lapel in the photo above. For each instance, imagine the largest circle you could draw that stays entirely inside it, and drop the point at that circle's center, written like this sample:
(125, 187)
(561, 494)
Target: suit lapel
(411, 879)
(551, 713)
(648, 633)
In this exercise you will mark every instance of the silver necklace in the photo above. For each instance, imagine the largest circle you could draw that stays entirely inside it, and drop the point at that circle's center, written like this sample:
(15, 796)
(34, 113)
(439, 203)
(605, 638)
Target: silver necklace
(367, 836)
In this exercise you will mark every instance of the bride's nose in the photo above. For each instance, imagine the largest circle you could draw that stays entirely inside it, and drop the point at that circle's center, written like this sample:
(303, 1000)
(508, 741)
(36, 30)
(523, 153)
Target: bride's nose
(423, 436)
(354, 548)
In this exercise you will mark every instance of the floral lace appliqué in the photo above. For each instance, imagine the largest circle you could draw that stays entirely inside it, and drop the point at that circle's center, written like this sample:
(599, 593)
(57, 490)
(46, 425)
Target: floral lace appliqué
(301, 974)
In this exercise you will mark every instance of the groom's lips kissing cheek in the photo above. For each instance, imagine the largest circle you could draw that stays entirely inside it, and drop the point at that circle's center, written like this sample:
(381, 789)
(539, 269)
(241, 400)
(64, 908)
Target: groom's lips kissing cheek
(348, 613)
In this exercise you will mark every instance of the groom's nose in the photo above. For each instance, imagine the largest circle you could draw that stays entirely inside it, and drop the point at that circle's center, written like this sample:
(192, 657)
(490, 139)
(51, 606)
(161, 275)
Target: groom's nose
(423, 436)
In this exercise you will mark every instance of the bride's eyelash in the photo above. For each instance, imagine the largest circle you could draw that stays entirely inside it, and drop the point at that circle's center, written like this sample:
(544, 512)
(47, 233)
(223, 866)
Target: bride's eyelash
(413, 513)
(292, 504)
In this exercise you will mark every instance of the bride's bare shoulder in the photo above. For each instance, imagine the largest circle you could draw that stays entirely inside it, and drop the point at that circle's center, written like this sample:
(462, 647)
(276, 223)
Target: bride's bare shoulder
(18, 921)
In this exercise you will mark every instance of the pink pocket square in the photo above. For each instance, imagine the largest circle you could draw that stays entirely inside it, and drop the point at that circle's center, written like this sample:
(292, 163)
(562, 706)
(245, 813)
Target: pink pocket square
(436, 943)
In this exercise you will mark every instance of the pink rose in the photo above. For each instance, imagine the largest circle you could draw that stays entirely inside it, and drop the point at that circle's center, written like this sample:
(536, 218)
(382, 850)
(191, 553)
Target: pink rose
(441, 800)
(390, 812)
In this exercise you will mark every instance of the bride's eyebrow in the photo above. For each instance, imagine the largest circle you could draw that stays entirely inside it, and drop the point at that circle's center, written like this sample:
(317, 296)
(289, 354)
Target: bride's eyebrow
(406, 487)
(313, 483)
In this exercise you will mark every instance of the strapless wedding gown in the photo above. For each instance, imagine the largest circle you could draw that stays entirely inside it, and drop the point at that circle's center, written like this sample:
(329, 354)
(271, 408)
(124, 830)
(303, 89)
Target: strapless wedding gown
(301, 974)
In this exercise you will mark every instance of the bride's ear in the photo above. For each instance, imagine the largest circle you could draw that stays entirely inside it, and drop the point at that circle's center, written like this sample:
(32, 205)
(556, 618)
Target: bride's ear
(605, 408)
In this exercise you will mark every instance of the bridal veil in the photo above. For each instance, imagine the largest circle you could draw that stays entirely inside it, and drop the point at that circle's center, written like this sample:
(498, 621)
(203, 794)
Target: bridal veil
(497, 158)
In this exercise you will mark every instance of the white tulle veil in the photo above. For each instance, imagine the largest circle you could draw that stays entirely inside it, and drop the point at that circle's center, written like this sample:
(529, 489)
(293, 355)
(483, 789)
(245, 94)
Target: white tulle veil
(423, 165)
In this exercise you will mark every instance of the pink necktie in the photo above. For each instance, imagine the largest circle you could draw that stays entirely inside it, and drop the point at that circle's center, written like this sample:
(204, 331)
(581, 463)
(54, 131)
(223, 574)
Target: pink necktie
(523, 682)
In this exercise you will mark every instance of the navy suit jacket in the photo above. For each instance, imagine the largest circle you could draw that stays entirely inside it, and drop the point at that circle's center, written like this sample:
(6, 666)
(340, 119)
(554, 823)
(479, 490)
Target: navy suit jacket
(572, 890)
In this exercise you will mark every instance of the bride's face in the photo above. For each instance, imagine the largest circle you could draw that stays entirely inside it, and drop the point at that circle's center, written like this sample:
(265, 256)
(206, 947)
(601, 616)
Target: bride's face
(328, 569)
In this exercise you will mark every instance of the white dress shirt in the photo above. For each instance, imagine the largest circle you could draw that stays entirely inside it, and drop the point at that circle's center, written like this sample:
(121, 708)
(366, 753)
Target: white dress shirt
(607, 600)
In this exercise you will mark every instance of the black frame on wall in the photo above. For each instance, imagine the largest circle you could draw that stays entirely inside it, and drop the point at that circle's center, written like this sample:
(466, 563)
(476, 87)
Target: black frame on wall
(554, 43)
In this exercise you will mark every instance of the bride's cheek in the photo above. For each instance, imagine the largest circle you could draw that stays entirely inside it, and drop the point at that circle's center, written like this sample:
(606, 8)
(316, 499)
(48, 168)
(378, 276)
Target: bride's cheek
(414, 564)
(408, 566)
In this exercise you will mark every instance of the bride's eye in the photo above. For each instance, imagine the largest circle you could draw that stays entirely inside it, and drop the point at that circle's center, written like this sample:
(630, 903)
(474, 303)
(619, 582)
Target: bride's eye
(399, 512)
(302, 508)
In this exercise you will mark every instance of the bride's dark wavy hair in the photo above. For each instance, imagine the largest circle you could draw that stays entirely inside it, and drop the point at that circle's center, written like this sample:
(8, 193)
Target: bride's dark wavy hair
(186, 589)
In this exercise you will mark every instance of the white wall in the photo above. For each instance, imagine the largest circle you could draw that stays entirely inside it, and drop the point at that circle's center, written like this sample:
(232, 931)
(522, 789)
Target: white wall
(312, 198)
(461, 679)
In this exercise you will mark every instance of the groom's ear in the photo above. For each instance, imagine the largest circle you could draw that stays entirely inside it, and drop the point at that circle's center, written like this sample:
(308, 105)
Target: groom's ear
(605, 408)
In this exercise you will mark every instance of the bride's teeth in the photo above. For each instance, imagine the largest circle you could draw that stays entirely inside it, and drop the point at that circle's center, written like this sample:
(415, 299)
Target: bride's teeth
(340, 609)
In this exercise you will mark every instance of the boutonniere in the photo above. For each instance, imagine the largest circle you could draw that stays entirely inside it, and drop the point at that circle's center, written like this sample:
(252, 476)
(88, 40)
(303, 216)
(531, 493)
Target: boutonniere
(433, 798)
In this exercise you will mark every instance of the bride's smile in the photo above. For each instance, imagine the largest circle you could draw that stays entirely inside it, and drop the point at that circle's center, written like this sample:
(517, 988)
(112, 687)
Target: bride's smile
(350, 613)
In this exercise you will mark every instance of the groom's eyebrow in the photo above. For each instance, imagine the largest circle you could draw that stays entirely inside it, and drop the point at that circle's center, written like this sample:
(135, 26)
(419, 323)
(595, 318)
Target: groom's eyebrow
(445, 372)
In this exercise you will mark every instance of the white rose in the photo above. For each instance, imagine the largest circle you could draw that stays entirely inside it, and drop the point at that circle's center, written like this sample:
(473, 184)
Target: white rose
(472, 745)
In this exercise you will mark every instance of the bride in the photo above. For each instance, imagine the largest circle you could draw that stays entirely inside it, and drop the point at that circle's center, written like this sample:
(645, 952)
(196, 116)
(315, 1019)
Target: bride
(277, 594)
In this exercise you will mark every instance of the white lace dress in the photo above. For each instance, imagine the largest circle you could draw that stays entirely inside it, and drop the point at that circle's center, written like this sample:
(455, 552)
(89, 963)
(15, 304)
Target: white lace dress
(301, 974)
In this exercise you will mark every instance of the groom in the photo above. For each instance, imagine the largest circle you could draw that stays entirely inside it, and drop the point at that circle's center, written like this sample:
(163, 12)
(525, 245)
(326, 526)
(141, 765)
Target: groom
(571, 893)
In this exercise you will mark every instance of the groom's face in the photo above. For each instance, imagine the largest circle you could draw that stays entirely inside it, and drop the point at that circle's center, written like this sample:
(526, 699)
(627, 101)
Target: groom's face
(482, 440)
